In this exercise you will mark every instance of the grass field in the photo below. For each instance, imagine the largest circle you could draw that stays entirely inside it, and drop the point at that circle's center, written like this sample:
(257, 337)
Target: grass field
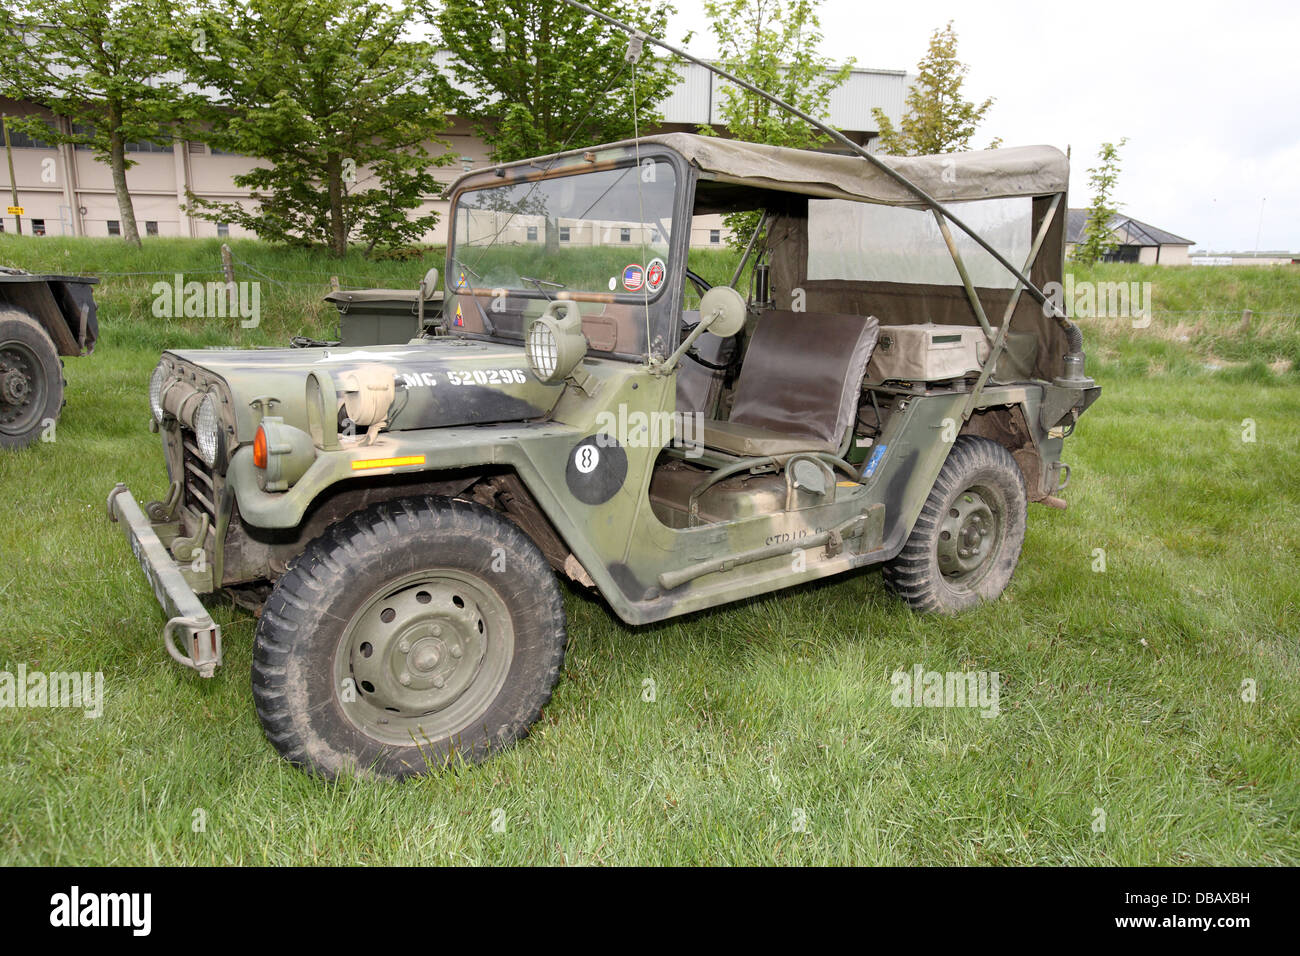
(772, 738)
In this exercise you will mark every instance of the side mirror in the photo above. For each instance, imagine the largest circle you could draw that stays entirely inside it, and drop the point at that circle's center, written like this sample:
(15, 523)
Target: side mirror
(722, 311)
(430, 283)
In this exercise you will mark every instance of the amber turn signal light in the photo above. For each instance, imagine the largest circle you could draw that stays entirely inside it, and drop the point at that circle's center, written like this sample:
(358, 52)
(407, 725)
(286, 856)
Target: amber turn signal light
(259, 448)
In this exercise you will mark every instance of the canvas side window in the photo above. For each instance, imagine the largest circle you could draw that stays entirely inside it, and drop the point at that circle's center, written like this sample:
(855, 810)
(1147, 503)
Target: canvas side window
(864, 242)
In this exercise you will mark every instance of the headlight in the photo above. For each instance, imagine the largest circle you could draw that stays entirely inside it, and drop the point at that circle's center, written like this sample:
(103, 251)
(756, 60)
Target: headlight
(555, 344)
(207, 429)
(155, 391)
(542, 350)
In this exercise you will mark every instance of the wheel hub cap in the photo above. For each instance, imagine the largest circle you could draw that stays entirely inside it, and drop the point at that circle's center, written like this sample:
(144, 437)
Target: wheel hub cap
(21, 397)
(424, 655)
(419, 649)
(14, 386)
(967, 536)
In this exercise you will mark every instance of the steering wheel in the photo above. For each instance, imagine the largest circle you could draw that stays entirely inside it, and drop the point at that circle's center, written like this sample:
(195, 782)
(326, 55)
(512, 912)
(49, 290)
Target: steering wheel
(702, 285)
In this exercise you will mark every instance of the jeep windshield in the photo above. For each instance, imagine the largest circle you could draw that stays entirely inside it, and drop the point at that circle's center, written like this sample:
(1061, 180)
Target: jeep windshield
(594, 232)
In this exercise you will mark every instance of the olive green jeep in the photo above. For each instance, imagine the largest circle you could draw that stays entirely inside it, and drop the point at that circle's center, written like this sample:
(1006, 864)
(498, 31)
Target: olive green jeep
(591, 408)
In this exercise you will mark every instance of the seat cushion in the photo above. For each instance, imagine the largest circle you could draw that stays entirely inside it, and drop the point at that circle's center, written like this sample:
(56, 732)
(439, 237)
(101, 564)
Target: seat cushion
(747, 441)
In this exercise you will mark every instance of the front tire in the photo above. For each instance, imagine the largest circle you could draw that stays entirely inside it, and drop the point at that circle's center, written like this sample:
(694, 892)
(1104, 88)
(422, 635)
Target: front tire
(31, 379)
(409, 633)
(966, 544)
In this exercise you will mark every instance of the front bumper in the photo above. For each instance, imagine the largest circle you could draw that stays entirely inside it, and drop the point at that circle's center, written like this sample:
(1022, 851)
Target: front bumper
(186, 615)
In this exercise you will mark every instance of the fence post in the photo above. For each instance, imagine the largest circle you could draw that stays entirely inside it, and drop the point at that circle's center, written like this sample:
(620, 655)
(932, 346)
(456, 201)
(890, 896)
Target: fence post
(228, 268)
(1246, 315)
(334, 283)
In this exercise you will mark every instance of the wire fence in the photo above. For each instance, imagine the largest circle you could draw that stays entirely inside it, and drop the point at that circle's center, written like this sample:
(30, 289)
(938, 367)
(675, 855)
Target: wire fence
(343, 281)
(330, 280)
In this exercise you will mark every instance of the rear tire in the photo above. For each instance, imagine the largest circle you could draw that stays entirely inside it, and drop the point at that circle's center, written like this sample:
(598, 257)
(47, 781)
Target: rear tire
(31, 379)
(966, 544)
(407, 634)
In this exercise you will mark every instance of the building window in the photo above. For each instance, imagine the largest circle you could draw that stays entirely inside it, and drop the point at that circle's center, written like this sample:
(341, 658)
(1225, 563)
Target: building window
(141, 147)
(564, 234)
(38, 227)
(114, 227)
(625, 235)
(223, 229)
(532, 233)
(20, 140)
(715, 236)
(148, 147)
(150, 227)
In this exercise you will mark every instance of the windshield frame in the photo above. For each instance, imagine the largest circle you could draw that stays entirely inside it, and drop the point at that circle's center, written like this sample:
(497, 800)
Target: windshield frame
(664, 305)
(651, 153)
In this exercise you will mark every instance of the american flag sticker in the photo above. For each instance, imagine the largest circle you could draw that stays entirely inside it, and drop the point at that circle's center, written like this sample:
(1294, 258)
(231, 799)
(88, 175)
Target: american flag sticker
(633, 278)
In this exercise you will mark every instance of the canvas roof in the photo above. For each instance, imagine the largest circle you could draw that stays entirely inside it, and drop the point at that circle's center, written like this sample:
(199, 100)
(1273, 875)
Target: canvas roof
(951, 177)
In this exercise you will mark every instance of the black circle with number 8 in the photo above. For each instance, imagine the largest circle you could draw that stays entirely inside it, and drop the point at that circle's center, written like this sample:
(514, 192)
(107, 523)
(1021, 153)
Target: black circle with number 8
(596, 469)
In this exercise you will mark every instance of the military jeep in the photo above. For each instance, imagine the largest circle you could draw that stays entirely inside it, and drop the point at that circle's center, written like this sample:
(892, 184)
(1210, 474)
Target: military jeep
(593, 408)
(42, 317)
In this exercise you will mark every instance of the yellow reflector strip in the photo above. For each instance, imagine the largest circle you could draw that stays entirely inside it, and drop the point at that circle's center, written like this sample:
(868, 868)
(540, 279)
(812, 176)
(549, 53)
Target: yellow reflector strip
(846, 484)
(387, 462)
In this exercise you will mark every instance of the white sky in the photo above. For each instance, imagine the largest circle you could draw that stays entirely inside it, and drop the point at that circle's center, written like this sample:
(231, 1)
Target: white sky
(1207, 92)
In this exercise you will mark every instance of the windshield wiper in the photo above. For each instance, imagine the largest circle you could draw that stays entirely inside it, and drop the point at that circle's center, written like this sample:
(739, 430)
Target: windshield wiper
(543, 282)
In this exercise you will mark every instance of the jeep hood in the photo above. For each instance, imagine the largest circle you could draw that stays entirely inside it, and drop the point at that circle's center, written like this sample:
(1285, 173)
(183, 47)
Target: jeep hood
(440, 383)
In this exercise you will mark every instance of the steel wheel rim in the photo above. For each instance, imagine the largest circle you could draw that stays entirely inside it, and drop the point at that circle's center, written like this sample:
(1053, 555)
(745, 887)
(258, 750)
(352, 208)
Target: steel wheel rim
(431, 667)
(970, 537)
(22, 388)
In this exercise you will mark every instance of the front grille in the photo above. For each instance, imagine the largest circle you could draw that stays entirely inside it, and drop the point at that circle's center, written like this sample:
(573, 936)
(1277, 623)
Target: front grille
(200, 493)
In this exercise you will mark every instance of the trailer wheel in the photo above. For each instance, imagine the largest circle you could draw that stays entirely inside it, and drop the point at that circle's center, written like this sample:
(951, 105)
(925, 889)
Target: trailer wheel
(31, 379)
(965, 545)
(409, 634)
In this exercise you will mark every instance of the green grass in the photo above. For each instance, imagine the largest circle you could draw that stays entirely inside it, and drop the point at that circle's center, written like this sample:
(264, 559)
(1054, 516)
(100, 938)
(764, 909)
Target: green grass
(1198, 321)
(1120, 690)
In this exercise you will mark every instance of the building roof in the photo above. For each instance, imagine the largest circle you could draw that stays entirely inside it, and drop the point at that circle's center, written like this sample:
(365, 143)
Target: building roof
(1129, 231)
(697, 97)
(952, 177)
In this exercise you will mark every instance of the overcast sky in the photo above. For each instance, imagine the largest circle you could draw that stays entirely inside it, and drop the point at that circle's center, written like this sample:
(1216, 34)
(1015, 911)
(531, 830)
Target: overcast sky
(1207, 92)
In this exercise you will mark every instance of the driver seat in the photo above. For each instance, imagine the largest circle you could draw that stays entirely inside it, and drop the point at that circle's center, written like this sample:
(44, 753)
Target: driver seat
(799, 385)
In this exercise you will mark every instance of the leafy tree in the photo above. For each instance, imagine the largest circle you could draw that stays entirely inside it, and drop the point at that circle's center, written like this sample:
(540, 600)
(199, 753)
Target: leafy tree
(938, 118)
(337, 99)
(99, 65)
(773, 45)
(1098, 239)
(544, 77)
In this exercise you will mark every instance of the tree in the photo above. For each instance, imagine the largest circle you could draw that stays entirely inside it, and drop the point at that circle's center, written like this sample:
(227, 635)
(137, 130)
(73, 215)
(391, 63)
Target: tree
(98, 65)
(938, 118)
(545, 77)
(773, 45)
(338, 102)
(1098, 239)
